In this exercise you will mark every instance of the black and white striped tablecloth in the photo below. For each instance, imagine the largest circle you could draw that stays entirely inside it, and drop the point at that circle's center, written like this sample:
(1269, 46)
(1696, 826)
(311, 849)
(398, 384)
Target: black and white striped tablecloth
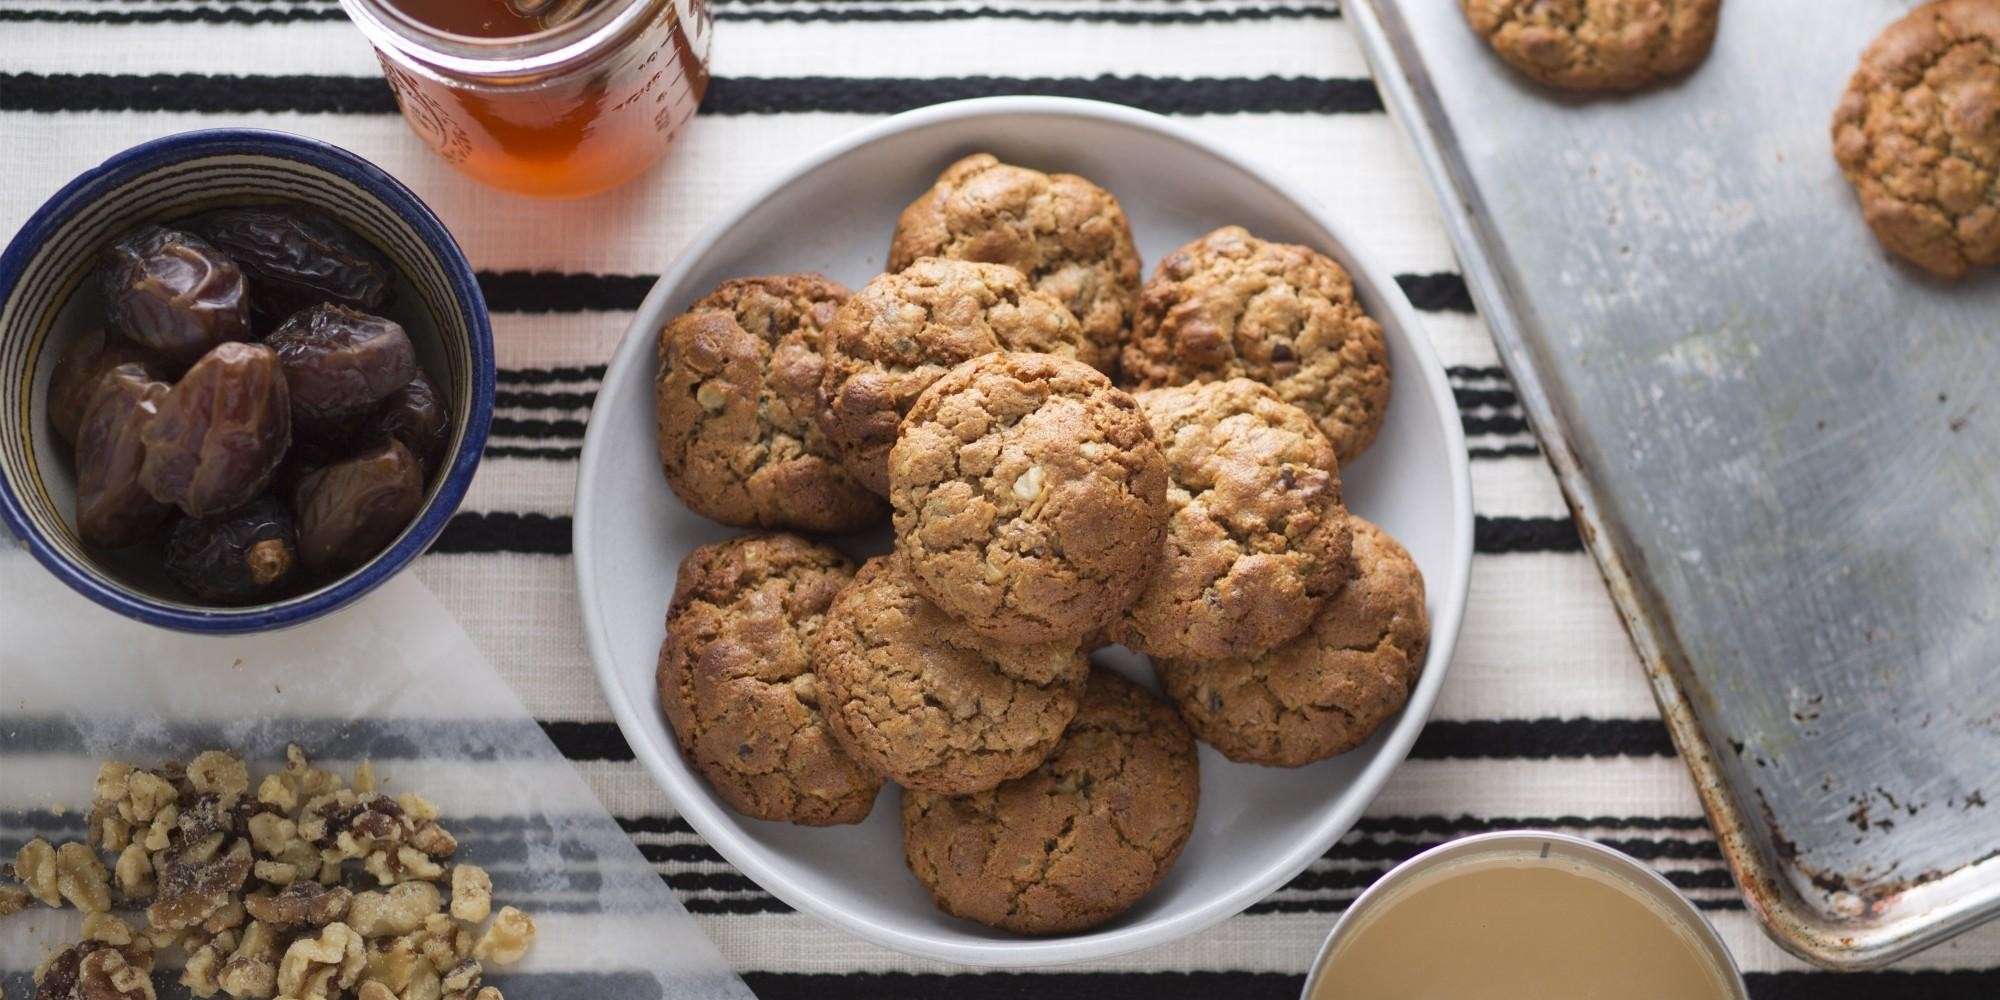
(1546, 720)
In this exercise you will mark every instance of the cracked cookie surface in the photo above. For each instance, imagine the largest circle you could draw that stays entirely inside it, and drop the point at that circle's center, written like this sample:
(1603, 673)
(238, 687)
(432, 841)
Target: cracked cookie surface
(1258, 540)
(1069, 236)
(1327, 691)
(920, 698)
(904, 330)
(1918, 135)
(738, 685)
(1079, 840)
(1597, 45)
(1230, 305)
(737, 398)
(1030, 498)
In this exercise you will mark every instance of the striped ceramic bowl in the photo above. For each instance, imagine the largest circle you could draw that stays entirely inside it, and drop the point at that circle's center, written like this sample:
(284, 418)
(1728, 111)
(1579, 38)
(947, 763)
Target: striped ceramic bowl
(47, 297)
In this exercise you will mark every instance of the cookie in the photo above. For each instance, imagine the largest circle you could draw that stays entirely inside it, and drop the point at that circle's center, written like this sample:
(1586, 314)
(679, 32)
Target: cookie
(1597, 45)
(738, 685)
(1078, 841)
(737, 402)
(1918, 135)
(904, 330)
(1230, 305)
(920, 698)
(1327, 691)
(1029, 497)
(1258, 541)
(1067, 235)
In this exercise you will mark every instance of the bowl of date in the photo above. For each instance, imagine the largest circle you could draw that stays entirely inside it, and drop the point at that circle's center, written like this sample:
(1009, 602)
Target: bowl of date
(245, 377)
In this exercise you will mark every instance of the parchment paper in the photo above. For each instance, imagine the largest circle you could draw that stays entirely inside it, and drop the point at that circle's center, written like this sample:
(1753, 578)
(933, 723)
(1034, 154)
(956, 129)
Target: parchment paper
(393, 679)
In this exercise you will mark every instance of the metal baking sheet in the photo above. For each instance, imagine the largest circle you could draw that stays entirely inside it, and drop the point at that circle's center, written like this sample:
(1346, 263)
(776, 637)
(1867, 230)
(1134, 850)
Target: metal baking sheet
(1782, 447)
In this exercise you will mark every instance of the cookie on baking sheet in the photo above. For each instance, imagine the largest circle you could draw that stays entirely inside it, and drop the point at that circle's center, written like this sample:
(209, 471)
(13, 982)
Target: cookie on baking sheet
(737, 401)
(1596, 45)
(1231, 305)
(1918, 135)
(1029, 497)
(1327, 691)
(1079, 840)
(1069, 236)
(1258, 540)
(738, 686)
(904, 330)
(920, 698)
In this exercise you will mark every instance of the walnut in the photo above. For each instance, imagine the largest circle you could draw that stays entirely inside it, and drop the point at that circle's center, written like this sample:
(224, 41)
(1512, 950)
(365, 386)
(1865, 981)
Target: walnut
(507, 939)
(471, 893)
(445, 942)
(314, 968)
(108, 929)
(220, 774)
(134, 871)
(81, 878)
(433, 840)
(252, 969)
(364, 777)
(401, 865)
(301, 904)
(461, 978)
(399, 910)
(13, 899)
(203, 968)
(35, 867)
(92, 971)
(196, 880)
(374, 990)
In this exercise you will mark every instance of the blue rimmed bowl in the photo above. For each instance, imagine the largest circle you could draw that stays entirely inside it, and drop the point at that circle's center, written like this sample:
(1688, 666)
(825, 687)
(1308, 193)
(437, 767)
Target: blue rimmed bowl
(47, 298)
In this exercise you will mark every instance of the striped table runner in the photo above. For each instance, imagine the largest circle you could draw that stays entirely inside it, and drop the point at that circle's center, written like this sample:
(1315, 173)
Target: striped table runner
(1546, 720)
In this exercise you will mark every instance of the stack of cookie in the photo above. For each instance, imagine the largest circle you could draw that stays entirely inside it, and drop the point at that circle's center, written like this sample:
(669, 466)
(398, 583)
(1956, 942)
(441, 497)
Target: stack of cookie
(971, 396)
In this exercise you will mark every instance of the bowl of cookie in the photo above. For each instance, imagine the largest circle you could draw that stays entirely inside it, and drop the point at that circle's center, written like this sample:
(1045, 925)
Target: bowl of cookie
(983, 591)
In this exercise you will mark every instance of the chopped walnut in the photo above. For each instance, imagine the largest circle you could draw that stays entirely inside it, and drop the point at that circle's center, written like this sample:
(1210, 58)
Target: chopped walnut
(134, 872)
(507, 939)
(399, 910)
(471, 893)
(301, 904)
(35, 867)
(253, 890)
(314, 967)
(81, 878)
(198, 879)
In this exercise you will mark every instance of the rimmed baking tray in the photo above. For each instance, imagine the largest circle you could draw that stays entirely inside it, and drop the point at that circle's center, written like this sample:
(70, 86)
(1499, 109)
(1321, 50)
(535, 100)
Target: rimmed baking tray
(1781, 447)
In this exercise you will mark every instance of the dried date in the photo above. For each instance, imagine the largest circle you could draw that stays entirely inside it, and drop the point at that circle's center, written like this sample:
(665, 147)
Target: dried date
(246, 556)
(172, 292)
(113, 509)
(350, 510)
(73, 383)
(416, 416)
(296, 258)
(340, 365)
(220, 433)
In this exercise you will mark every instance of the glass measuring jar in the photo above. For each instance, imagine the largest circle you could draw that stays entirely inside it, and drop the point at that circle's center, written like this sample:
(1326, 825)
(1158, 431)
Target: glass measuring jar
(566, 112)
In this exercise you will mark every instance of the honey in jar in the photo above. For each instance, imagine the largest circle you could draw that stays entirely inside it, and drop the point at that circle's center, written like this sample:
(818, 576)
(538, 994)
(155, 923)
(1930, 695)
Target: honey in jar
(557, 98)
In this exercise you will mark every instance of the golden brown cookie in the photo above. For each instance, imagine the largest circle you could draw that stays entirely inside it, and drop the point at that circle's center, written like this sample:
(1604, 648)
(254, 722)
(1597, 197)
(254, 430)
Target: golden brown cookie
(1918, 135)
(1067, 235)
(738, 685)
(1030, 499)
(903, 330)
(1327, 691)
(1597, 44)
(1078, 841)
(920, 698)
(737, 398)
(1230, 305)
(1258, 541)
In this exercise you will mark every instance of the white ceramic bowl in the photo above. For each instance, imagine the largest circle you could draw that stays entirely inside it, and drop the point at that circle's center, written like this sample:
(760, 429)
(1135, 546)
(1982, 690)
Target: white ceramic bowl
(833, 213)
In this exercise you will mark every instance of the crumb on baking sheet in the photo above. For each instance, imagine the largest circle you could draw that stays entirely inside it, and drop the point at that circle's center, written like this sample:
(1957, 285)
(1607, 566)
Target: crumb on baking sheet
(299, 885)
